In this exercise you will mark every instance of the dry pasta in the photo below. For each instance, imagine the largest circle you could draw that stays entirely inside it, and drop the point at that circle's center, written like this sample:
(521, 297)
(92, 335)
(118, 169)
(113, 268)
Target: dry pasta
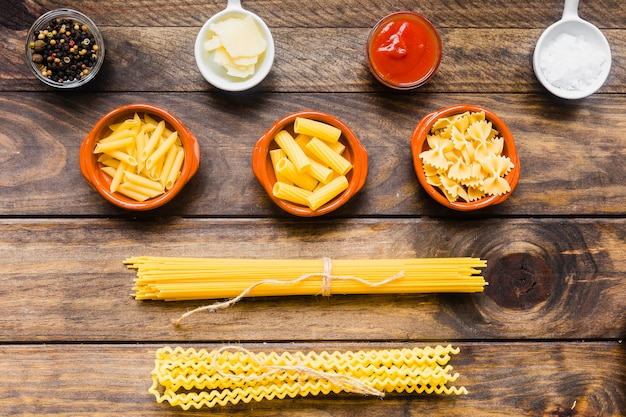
(291, 193)
(201, 378)
(143, 157)
(327, 192)
(315, 128)
(171, 278)
(309, 163)
(464, 159)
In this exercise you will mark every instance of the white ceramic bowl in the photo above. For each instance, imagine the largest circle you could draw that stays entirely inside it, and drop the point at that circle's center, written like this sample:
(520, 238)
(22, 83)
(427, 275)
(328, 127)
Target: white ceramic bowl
(214, 73)
(567, 61)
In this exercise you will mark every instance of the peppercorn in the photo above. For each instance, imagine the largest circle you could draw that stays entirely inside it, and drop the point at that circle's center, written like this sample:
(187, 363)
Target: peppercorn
(57, 44)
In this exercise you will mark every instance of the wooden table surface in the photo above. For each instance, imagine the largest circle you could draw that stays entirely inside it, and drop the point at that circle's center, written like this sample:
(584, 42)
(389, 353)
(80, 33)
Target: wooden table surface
(544, 339)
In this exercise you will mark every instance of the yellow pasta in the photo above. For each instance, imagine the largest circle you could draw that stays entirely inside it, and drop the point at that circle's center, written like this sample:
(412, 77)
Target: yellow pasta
(174, 173)
(161, 150)
(143, 181)
(291, 193)
(201, 378)
(149, 153)
(315, 128)
(294, 152)
(286, 168)
(129, 192)
(275, 156)
(326, 155)
(117, 177)
(326, 193)
(171, 279)
(464, 159)
(141, 189)
(155, 137)
(316, 172)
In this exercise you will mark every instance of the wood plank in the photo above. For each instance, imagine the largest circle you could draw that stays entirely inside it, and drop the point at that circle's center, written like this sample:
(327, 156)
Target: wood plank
(541, 379)
(63, 280)
(323, 13)
(571, 163)
(309, 60)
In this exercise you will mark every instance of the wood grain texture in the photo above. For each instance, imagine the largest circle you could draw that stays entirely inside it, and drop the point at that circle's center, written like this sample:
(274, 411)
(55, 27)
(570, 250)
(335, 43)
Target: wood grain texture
(110, 379)
(65, 281)
(544, 339)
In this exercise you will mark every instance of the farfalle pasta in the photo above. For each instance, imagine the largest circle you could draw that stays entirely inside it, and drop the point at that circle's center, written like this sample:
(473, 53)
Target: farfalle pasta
(200, 378)
(465, 159)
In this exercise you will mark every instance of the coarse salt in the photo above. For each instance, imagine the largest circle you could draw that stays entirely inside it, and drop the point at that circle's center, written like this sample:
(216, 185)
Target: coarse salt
(572, 62)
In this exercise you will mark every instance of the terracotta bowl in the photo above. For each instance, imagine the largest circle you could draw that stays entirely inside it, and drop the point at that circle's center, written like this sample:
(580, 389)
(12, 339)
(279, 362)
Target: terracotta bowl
(354, 152)
(91, 168)
(419, 144)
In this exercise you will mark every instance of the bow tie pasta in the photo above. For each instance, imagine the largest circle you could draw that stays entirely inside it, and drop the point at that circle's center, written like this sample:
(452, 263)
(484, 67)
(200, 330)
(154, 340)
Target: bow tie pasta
(465, 159)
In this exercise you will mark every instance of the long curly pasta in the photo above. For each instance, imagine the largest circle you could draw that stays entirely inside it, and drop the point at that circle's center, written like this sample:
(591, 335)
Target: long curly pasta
(189, 378)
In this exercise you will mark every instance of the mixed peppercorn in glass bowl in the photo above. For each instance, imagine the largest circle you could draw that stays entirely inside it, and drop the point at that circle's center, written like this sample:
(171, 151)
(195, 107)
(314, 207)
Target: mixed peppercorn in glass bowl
(64, 48)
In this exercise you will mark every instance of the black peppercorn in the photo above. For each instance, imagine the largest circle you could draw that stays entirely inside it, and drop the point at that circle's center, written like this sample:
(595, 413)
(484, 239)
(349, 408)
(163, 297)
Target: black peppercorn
(56, 50)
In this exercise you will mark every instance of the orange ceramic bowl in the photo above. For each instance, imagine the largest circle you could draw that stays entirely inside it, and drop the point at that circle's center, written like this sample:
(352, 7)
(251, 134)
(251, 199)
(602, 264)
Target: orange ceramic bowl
(419, 144)
(91, 168)
(354, 152)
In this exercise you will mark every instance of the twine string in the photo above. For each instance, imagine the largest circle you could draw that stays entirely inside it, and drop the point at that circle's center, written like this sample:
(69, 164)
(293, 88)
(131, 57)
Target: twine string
(325, 290)
(345, 382)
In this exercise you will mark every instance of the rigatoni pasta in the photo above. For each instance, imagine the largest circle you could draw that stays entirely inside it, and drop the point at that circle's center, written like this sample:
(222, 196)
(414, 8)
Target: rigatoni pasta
(310, 163)
(143, 157)
(317, 129)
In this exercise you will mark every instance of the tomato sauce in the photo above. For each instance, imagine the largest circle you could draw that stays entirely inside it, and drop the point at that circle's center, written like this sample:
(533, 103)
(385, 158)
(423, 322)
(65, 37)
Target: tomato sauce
(404, 50)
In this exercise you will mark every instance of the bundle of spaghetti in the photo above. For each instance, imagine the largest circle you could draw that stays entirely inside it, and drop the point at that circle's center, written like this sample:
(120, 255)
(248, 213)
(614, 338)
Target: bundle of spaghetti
(171, 279)
(229, 375)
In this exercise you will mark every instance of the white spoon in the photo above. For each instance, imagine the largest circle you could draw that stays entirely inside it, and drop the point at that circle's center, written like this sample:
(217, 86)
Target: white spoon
(580, 68)
(214, 73)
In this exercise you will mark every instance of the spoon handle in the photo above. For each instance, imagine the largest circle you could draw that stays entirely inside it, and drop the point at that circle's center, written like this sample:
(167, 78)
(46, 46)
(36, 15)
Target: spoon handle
(570, 11)
(236, 4)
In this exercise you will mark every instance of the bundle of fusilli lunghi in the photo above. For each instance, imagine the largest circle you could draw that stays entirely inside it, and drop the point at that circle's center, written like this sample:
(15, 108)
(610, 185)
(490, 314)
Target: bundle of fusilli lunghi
(190, 378)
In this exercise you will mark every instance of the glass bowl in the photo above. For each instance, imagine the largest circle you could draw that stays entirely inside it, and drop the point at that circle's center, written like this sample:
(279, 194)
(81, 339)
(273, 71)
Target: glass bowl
(403, 50)
(72, 60)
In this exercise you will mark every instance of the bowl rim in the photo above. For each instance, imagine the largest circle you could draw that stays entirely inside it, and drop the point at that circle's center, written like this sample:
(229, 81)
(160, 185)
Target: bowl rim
(358, 155)
(418, 139)
(220, 81)
(73, 14)
(90, 167)
(428, 76)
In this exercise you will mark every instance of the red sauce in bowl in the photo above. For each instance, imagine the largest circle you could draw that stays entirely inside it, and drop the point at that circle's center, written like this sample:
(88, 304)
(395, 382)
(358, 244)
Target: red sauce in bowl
(404, 50)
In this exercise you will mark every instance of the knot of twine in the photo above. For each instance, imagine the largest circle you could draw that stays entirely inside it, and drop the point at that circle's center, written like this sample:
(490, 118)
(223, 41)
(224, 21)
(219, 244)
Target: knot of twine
(327, 279)
(345, 382)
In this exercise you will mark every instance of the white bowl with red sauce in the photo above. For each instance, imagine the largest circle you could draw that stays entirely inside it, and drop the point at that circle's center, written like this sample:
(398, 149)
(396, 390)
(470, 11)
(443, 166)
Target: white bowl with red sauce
(404, 50)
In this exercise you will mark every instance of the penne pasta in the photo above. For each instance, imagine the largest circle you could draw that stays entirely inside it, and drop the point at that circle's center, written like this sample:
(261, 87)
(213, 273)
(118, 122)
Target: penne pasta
(143, 181)
(161, 150)
(153, 141)
(143, 157)
(112, 145)
(174, 173)
(117, 177)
